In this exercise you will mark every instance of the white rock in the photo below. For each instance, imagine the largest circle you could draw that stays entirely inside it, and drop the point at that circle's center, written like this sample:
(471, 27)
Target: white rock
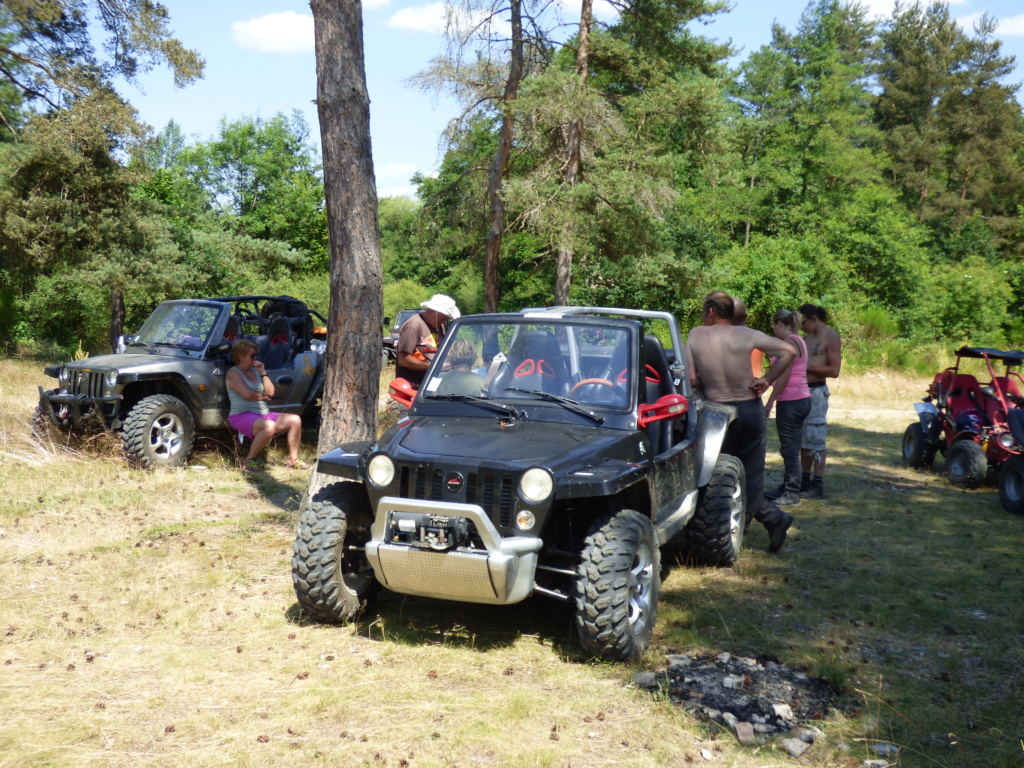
(783, 712)
(795, 747)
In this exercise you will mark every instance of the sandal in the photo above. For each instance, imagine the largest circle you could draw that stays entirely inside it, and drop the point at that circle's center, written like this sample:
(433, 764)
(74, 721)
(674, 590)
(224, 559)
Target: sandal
(249, 465)
(300, 465)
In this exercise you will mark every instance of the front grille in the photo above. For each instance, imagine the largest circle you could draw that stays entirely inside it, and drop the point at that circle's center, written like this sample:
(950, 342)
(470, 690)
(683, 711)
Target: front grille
(86, 383)
(494, 492)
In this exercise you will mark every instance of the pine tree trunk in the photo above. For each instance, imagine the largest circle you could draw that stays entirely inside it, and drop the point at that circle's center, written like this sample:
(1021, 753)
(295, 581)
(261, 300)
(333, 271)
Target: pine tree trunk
(497, 170)
(116, 316)
(573, 158)
(356, 310)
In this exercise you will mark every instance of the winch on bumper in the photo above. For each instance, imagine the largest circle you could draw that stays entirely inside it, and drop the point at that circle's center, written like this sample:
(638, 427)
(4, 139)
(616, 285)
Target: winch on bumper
(422, 547)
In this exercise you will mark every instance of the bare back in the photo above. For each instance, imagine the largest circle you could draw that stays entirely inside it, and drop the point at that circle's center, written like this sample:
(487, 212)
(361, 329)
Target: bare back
(720, 356)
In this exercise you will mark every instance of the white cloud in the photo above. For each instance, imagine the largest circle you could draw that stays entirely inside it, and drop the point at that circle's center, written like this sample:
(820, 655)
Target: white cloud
(429, 19)
(287, 32)
(602, 10)
(373, 5)
(393, 179)
(1012, 26)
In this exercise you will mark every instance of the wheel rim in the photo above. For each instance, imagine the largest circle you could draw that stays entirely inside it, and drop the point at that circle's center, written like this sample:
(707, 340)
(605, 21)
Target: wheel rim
(909, 444)
(737, 519)
(641, 589)
(167, 435)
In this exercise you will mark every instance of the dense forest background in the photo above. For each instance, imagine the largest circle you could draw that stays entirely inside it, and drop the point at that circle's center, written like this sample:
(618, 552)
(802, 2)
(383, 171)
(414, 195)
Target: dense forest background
(876, 169)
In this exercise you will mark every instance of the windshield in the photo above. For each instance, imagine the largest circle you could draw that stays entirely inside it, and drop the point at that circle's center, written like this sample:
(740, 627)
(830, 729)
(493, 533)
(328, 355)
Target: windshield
(580, 363)
(186, 326)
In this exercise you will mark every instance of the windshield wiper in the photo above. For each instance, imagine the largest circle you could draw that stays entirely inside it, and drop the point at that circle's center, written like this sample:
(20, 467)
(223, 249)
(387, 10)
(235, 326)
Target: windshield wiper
(144, 344)
(511, 410)
(572, 405)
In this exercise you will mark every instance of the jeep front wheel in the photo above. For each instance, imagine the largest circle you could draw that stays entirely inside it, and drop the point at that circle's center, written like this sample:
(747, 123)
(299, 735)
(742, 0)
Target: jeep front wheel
(617, 586)
(158, 432)
(714, 536)
(333, 580)
(1011, 485)
(966, 465)
(918, 453)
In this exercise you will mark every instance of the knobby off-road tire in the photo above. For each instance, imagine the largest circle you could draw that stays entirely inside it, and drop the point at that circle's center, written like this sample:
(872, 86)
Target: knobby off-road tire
(966, 464)
(41, 425)
(617, 586)
(1011, 485)
(159, 432)
(333, 580)
(714, 536)
(918, 453)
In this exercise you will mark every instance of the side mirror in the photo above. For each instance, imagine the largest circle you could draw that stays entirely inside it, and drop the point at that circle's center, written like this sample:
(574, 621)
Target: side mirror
(224, 348)
(401, 391)
(387, 322)
(667, 407)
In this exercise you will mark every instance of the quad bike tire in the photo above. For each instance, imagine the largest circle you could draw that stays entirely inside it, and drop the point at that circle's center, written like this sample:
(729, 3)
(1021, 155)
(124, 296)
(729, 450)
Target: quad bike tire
(617, 586)
(918, 453)
(714, 536)
(333, 581)
(966, 464)
(158, 432)
(1011, 485)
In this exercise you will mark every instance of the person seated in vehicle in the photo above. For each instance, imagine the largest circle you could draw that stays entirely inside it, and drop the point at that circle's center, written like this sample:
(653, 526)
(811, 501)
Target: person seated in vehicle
(249, 390)
(461, 380)
(420, 336)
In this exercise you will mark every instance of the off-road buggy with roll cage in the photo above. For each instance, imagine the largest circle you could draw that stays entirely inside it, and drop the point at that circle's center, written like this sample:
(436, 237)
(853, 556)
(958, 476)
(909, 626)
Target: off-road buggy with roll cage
(967, 421)
(167, 381)
(550, 452)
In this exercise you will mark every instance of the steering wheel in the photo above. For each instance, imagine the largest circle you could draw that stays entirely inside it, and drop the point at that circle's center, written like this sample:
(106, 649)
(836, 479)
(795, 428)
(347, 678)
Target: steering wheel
(596, 382)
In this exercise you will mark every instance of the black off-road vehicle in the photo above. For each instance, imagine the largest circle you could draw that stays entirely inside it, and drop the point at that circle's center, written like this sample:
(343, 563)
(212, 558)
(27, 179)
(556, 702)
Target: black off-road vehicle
(551, 452)
(167, 381)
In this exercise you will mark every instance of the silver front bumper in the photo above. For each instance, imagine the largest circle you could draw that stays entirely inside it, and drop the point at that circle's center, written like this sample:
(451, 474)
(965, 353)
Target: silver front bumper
(501, 574)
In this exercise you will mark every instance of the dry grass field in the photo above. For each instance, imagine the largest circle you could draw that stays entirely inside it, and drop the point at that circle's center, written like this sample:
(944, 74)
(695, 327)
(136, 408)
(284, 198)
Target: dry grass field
(147, 619)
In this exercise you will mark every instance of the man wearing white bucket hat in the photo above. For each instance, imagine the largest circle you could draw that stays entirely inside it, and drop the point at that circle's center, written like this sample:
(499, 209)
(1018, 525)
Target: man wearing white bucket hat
(420, 335)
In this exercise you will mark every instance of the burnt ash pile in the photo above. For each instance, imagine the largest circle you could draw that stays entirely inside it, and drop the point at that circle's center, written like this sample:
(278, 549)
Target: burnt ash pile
(769, 698)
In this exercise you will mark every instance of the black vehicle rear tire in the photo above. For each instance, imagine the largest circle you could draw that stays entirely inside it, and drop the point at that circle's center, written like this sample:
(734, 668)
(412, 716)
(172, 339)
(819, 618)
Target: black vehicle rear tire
(333, 582)
(714, 536)
(918, 453)
(617, 587)
(966, 464)
(1011, 485)
(159, 432)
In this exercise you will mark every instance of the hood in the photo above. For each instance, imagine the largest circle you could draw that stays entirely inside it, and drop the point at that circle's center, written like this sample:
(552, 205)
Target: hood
(128, 362)
(524, 442)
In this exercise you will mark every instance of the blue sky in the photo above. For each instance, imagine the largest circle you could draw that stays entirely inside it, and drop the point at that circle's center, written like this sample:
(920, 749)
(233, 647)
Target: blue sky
(259, 61)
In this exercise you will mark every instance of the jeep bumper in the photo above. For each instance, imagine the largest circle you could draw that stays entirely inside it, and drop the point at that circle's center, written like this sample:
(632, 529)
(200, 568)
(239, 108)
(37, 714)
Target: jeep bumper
(64, 407)
(501, 573)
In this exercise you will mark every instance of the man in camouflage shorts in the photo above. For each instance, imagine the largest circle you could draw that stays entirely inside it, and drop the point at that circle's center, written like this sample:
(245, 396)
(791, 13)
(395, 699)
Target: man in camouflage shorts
(824, 360)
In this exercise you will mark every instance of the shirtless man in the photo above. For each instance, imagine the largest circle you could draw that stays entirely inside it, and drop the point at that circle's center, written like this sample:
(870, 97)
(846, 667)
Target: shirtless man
(824, 359)
(739, 317)
(718, 358)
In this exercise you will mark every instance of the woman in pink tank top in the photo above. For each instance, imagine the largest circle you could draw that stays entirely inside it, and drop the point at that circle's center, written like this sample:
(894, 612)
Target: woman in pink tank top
(792, 399)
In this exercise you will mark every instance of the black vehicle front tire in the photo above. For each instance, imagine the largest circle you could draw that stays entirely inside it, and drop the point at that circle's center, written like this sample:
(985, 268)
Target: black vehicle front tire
(1011, 485)
(714, 536)
(159, 432)
(333, 580)
(918, 453)
(617, 587)
(966, 464)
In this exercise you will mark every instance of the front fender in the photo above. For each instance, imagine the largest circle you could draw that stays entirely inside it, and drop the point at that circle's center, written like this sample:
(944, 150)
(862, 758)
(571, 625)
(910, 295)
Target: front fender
(715, 419)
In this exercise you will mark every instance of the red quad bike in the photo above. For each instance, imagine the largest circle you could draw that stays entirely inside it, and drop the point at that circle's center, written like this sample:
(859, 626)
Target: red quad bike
(968, 421)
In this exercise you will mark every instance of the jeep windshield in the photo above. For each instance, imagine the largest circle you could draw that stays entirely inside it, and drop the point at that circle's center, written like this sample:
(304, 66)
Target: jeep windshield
(180, 325)
(582, 365)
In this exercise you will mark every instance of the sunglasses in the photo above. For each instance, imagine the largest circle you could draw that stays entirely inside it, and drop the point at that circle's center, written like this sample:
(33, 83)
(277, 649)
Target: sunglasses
(253, 355)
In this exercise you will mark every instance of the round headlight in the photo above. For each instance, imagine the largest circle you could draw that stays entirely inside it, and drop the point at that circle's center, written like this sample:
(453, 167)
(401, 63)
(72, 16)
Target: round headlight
(111, 378)
(536, 485)
(525, 520)
(381, 470)
(65, 375)
(1006, 440)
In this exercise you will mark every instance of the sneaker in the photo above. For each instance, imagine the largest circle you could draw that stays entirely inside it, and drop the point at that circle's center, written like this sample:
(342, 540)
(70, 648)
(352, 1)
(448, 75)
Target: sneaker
(777, 533)
(788, 499)
(816, 491)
